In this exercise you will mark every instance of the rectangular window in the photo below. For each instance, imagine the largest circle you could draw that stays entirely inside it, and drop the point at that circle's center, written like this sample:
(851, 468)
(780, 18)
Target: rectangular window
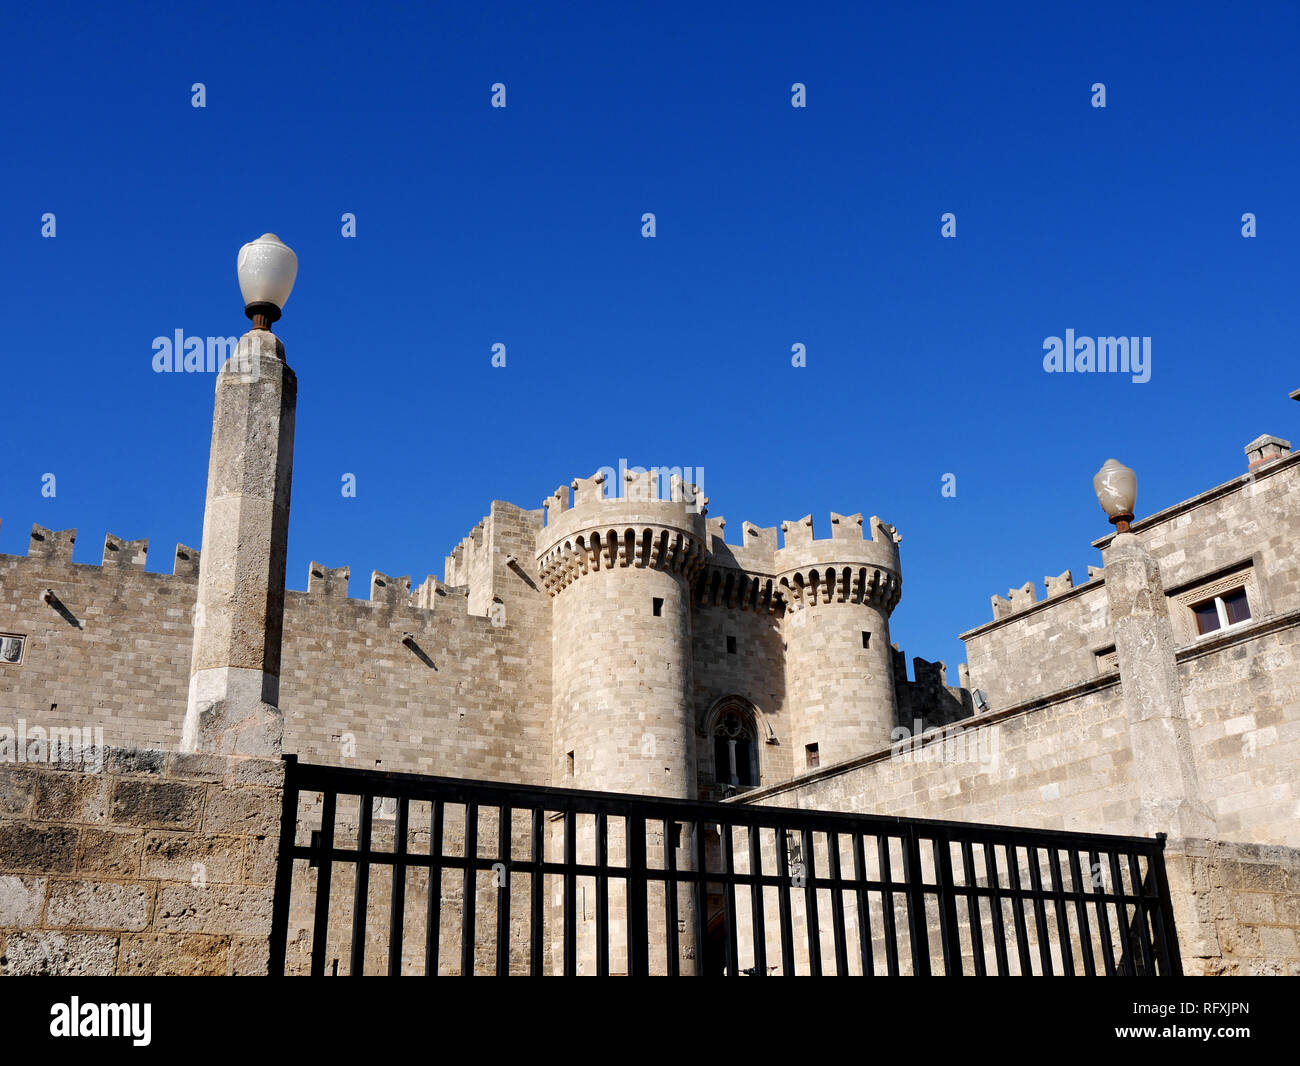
(1214, 602)
(731, 645)
(1207, 617)
(11, 649)
(658, 605)
(866, 639)
(1218, 612)
(814, 757)
(570, 761)
(1236, 606)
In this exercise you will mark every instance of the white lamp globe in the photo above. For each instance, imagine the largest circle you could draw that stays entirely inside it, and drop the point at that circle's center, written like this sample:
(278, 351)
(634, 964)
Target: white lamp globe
(1116, 488)
(267, 269)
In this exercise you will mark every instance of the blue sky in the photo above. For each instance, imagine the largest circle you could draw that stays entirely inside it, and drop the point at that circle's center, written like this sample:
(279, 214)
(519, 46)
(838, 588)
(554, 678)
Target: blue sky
(775, 226)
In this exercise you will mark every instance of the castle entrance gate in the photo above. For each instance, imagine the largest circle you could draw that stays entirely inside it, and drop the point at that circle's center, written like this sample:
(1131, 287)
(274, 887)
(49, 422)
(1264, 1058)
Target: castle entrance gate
(407, 874)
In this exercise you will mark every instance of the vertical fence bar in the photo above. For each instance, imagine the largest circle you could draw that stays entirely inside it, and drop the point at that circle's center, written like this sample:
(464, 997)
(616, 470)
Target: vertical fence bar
(433, 906)
(1127, 963)
(284, 868)
(837, 905)
(1081, 916)
(1141, 919)
(1097, 882)
(361, 889)
(638, 903)
(1062, 921)
(570, 893)
(1170, 958)
(701, 895)
(948, 931)
(397, 908)
(536, 945)
(732, 961)
(602, 895)
(321, 919)
(973, 909)
(887, 915)
(810, 906)
(756, 902)
(1018, 909)
(864, 908)
(995, 909)
(671, 916)
(505, 826)
(783, 901)
(918, 927)
(469, 892)
(1040, 912)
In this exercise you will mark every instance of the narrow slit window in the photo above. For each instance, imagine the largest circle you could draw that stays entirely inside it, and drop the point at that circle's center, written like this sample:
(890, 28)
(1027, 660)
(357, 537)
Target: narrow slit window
(813, 755)
(570, 762)
(658, 606)
(866, 639)
(731, 645)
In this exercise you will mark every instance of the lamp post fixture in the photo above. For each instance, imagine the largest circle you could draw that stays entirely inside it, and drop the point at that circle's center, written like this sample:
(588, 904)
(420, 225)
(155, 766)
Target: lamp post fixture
(1116, 487)
(267, 269)
(233, 706)
(1151, 689)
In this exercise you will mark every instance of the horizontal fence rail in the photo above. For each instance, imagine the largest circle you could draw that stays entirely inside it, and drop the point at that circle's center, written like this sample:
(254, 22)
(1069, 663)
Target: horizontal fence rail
(401, 873)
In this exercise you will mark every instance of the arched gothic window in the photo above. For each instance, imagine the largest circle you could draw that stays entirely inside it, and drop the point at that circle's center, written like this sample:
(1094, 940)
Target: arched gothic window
(735, 751)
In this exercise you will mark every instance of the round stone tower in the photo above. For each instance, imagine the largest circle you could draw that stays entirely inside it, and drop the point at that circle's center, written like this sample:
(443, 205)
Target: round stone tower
(839, 594)
(620, 572)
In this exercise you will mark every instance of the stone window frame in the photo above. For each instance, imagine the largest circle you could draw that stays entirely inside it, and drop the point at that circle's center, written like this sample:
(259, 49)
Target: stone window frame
(1107, 659)
(22, 648)
(746, 714)
(1181, 602)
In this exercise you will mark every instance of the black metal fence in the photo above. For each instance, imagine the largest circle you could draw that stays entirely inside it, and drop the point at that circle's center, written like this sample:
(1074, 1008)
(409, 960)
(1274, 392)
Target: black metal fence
(407, 873)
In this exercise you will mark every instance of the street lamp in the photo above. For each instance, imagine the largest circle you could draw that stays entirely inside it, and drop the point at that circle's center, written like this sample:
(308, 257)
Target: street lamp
(267, 268)
(1117, 488)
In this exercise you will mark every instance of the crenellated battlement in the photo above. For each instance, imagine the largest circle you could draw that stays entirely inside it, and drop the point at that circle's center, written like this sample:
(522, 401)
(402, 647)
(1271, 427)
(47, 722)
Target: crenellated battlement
(1026, 596)
(856, 564)
(635, 529)
(48, 548)
(780, 568)
(331, 583)
(638, 486)
(52, 547)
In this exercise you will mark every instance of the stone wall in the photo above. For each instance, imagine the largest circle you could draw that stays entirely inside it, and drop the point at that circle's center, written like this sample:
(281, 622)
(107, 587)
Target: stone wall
(1236, 907)
(469, 696)
(1064, 761)
(1042, 648)
(754, 672)
(158, 863)
(1033, 647)
(1241, 692)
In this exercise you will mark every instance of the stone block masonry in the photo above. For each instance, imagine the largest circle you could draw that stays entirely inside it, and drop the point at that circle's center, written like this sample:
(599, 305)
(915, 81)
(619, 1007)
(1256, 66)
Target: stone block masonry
(162, 863)
(1236, 906)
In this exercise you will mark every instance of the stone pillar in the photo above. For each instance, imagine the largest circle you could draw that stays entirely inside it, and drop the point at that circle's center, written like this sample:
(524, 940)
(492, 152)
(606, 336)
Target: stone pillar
(1168, 791)
(234, 692)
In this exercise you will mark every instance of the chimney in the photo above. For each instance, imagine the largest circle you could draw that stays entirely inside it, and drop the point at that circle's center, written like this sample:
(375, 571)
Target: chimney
(1265, 449)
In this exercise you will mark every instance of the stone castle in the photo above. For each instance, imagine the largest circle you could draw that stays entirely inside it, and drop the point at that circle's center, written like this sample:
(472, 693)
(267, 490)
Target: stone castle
(614, 640)
(606, 641)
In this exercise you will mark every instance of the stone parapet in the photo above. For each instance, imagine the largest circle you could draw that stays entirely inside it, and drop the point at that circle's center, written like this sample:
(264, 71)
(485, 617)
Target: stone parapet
(636, 530)
(849, 567)
(138, 862)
